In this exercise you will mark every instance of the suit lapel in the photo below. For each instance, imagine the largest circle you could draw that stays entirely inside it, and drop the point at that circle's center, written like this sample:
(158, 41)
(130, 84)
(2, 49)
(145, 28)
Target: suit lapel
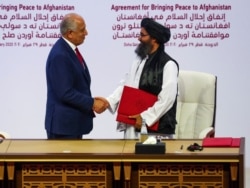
(85, 71)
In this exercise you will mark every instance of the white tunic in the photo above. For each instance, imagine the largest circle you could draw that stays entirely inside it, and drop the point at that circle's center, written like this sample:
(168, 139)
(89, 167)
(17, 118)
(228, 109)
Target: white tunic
(166, 97)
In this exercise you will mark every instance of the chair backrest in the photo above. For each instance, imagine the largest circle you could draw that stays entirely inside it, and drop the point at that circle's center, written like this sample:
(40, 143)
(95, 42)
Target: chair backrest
(196, 105)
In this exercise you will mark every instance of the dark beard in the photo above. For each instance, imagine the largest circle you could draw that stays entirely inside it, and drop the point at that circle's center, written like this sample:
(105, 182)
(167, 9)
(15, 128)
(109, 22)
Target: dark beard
(143, 49)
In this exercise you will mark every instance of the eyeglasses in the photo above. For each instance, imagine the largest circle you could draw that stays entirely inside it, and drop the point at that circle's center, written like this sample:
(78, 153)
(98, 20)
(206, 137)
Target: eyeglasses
(143, 35)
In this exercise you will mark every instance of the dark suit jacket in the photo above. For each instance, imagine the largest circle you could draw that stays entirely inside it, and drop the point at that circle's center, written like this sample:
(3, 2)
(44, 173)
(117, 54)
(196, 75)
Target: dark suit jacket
(69, 100)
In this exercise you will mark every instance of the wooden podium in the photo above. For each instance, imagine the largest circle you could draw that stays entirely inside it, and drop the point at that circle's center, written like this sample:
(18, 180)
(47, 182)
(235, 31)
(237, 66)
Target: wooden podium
(30, 163)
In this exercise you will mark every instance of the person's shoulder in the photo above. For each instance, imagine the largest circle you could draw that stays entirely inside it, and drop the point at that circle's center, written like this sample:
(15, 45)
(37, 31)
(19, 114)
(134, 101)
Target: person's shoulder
(60, 44)
(60, 41)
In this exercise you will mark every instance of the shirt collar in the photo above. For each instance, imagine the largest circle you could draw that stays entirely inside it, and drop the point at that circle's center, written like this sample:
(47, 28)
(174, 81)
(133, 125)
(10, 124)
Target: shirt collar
(70, 44)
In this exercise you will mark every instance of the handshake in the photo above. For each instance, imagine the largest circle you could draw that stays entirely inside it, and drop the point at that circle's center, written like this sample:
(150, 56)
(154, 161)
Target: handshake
(100, 104)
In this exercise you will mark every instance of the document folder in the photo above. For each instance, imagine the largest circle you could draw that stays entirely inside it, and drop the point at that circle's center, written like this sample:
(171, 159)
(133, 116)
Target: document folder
(134, 101)
(221, 142)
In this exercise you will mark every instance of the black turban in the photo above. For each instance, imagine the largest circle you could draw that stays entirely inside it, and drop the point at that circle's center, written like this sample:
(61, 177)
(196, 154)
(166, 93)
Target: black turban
(155, 30)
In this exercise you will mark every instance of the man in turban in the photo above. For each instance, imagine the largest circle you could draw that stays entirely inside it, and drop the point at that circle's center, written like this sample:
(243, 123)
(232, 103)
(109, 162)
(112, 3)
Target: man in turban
(153, 71)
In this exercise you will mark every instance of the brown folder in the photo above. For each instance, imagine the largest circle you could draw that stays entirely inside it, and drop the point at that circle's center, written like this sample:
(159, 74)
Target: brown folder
(134, 101)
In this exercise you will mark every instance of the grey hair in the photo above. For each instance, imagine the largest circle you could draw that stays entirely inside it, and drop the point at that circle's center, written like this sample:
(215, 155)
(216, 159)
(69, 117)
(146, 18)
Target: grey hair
(68, 23)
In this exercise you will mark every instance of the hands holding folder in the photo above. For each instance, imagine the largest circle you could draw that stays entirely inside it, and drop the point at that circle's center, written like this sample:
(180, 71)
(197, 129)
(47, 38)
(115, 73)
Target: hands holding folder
(138, 120)
(133, 102)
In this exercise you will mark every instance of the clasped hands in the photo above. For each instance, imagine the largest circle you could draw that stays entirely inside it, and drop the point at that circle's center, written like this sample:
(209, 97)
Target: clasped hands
(100, 104)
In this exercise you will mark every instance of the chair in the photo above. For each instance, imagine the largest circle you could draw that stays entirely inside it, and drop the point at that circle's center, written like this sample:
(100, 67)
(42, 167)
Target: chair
(4, 135)
(196, 105)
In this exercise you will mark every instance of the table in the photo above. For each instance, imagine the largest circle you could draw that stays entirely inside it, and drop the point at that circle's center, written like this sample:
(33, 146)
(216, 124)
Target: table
(55, 163)
(211, 167)
(113, 163)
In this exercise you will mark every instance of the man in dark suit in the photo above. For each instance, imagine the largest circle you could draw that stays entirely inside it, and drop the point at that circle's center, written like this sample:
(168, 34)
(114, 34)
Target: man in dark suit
(70, 105)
